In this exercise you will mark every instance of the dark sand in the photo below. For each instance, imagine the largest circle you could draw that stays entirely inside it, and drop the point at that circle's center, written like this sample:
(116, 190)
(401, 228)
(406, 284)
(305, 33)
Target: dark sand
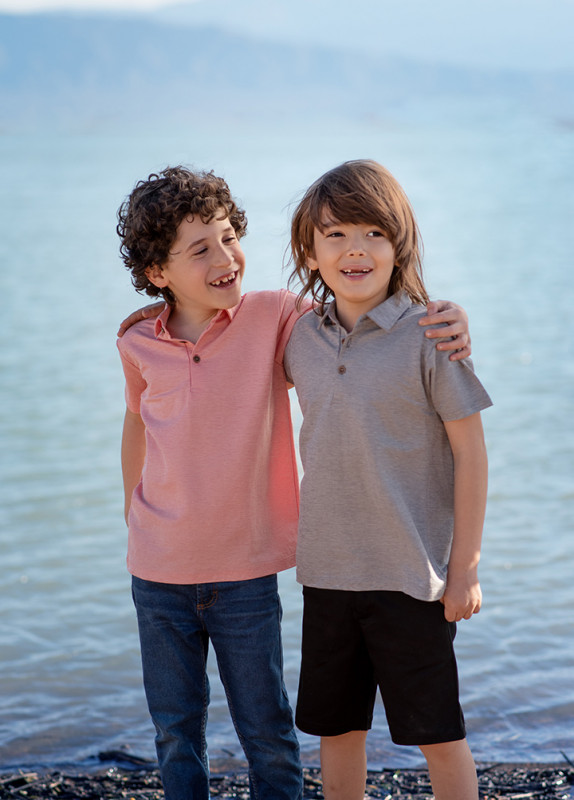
(508, 781)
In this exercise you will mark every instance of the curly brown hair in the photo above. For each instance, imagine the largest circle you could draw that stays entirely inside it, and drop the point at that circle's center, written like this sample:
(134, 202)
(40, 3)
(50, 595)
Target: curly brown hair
(357, 192)
(150, 216)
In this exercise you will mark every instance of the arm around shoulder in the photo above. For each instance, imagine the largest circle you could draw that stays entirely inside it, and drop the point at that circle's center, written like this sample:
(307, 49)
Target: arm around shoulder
(454, 333)
(146, 312)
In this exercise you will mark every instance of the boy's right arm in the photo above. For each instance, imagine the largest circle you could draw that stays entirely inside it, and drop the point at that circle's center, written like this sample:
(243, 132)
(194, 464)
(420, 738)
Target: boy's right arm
(133, 455)
(142, 313)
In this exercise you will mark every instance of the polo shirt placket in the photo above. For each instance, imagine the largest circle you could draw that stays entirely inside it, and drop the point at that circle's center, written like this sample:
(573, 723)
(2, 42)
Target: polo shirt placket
(341, 341)
(194, 352)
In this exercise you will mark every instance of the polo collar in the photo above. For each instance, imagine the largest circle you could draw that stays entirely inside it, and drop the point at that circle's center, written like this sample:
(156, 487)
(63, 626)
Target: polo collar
(160, 324)
(388, 313)
(385, 315)
(329, 316)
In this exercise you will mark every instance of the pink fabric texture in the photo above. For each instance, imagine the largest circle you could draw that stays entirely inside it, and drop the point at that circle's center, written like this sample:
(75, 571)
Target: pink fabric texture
(218, 497)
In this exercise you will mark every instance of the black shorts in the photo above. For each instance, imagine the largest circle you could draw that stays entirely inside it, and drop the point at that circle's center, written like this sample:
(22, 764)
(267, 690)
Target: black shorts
(356, 641)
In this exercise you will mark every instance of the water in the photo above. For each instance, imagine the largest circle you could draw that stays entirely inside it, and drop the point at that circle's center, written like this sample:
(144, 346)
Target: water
(495, 204)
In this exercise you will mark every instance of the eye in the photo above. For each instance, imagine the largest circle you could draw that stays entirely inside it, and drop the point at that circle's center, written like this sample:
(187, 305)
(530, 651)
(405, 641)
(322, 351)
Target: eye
(230, 239)
(333, 234)
(376, 234)
(200, 252)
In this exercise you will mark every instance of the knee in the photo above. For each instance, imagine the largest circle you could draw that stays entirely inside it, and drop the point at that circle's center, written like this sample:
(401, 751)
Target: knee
(346, 743)
(445, 752)
(342, 755)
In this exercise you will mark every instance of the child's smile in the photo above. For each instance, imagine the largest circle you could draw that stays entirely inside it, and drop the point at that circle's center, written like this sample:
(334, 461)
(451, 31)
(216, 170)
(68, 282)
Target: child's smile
(226, 280)
(356, 261)
(356, 273)
(204, 269)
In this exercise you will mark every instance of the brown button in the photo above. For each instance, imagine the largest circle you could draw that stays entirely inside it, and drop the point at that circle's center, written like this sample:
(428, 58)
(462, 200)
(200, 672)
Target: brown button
(342, 369)
(197, 359)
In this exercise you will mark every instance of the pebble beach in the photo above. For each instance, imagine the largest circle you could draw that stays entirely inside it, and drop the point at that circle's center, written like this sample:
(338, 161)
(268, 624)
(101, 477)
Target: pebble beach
(509, 781)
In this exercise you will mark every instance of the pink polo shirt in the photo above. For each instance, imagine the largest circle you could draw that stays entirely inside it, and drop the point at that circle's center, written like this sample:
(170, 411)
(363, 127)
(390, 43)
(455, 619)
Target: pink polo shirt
(218, 497)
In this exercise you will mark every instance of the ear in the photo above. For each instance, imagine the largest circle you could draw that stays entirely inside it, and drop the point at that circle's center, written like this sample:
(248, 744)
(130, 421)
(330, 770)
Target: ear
(312, 264)
(155, 275)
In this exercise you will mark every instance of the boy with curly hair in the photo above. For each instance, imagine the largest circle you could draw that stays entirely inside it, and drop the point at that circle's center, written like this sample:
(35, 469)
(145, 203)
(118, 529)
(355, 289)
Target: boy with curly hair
(210, 482)
(210, 479)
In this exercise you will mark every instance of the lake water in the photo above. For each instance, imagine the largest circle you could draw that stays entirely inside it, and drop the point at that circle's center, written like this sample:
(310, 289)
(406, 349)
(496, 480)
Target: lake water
(494, 199)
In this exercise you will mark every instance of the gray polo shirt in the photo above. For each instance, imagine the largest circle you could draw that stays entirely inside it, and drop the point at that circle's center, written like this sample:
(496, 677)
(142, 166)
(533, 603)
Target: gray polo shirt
(377, 490)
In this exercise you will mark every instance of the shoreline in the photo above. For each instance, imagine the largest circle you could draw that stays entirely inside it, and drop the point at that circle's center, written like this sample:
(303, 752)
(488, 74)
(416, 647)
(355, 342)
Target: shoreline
(509, 781)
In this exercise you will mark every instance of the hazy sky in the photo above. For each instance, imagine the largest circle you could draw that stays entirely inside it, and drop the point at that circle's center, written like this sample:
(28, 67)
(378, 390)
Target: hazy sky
(490, 33)
(46, 5)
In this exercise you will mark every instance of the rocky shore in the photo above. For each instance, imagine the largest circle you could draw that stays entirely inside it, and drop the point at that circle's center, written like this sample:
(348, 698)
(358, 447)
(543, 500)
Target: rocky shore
(496, 781)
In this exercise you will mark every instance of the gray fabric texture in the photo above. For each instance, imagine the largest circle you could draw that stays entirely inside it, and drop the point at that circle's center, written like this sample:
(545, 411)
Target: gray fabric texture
(377, 490)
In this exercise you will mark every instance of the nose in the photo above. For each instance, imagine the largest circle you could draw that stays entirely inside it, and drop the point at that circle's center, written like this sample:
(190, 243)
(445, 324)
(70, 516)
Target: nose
(223, 257)
(356, 245)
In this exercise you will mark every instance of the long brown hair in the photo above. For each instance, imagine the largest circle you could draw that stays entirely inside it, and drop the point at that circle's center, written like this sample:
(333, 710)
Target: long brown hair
(357, 192)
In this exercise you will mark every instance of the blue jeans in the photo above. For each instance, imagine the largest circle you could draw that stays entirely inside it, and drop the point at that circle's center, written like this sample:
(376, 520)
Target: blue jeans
(243, 621)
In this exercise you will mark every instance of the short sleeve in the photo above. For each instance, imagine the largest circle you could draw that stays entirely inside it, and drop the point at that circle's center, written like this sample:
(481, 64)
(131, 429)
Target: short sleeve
(290, 312)
(453, 389)
(135, 384)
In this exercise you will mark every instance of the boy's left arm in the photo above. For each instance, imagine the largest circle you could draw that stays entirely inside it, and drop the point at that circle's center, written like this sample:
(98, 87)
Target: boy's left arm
(463, 597)
(455, 318)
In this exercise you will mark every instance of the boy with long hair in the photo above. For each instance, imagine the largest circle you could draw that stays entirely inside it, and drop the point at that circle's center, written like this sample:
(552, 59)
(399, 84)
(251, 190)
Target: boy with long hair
(393, 492)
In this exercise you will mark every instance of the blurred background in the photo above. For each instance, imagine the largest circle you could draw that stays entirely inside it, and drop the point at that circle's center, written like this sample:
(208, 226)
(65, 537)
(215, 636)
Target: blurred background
(471, 106)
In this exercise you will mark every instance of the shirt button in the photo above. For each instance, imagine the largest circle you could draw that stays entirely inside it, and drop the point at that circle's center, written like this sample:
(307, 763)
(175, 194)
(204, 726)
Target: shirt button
(342, 369)
(197, 359)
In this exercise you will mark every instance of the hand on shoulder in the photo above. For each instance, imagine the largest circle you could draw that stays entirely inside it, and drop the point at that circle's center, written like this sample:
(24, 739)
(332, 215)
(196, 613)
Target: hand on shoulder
(146, 312)
(454, 334)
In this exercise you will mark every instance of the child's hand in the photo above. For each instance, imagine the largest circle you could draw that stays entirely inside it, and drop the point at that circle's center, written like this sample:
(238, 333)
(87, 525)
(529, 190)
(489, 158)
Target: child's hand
(142, 313)
(462, 597)
(443, 312)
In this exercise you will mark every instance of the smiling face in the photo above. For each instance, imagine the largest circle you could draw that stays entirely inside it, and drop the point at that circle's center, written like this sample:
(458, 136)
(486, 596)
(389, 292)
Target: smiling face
(204, 268)
(356, 261)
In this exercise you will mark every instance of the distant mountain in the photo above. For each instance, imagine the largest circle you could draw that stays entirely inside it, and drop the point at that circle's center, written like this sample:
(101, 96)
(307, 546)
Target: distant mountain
(487, 34)
(74, 70)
